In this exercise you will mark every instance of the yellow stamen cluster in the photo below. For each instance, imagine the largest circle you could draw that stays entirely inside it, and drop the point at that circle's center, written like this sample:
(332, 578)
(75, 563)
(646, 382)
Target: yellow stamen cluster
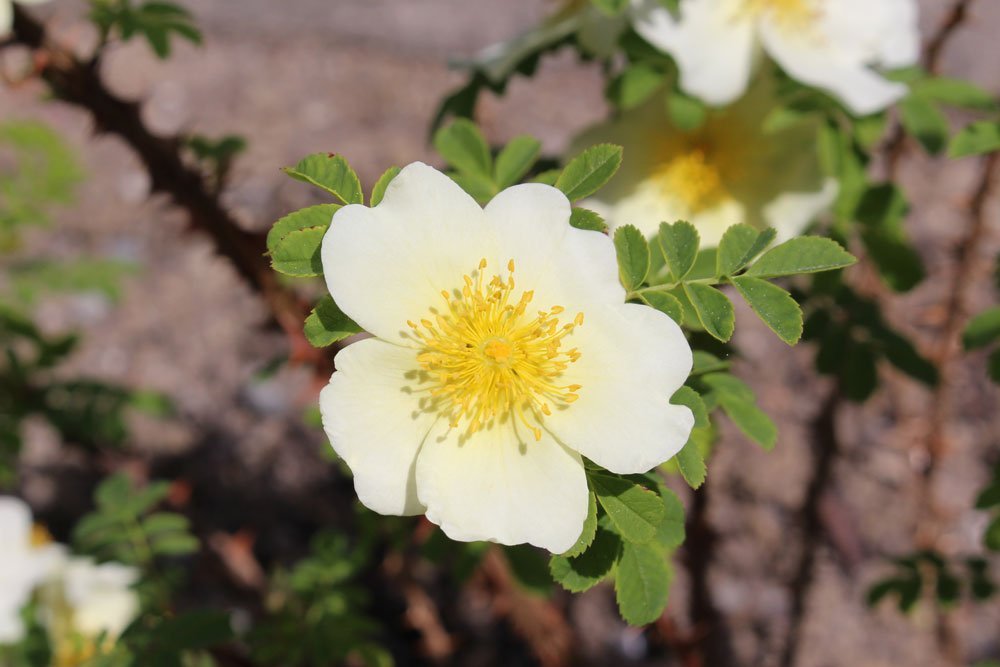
(788, 13)
(692, 177)
(40, 535)
(489, 360)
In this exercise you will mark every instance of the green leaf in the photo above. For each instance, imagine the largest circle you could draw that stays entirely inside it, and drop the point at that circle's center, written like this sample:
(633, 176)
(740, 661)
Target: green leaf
(734, 249)
(679, 245)
(993, 366)
(331, 173)
(634, 511)
(738, 402)
(633, 256)
(686, 113)
(165, 522)
(664, 302)
(611, 7)
(312, 216)
(691, 463)
(670, 533)
(634, 86)
(589, 529)
(642, 583)
(579, 573)
(328, 324)
(983, 329)
(298, 253)
(989, 497)
(715, 311)
(583, 218)
(689, 397)
(803, 254)
(378, 191)
(992, 536)
(174, 544)
(530, 568)
(515, 160)
(773, 305)
(482, 188)
(975, 139)
(925, 122)
(857, 371)
(589, 170)
(954, 92)
(194, 630)
(548, 177)
(463, 146)
(704, 362)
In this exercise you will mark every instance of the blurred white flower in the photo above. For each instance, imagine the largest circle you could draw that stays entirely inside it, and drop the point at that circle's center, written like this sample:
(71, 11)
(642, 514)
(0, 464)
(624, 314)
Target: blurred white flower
(829, 44)
(7, 13)
(85, 606)
(27, 557)
(728, 170)
(503, 351)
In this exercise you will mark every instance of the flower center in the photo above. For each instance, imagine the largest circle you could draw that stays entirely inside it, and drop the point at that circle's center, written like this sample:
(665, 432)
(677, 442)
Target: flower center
(489, 360)
(40, 536)
(789, 14)
(693, 178)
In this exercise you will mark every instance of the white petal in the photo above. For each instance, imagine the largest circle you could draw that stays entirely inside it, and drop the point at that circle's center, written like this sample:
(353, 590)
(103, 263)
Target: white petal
(792, 212)
(633, 360)
(11, 625)
(6, 23)
(375, 423)
(560, 263)
(835, 55)
(713, 44)
(494, 486)
(15, 521)
(388, 264)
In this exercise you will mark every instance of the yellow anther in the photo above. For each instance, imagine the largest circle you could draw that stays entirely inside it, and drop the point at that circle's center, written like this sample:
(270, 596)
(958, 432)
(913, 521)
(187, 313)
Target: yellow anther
(40, 535)
(482, 264)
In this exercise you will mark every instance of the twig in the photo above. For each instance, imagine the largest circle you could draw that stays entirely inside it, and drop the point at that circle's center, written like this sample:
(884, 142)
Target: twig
(825, 449)
(80, 84)
(895, 146)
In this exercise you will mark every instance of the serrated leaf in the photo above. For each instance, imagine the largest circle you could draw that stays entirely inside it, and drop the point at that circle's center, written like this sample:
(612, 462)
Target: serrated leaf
(328, 324)
(583, 218)
(633, 257)
(734, 249)
(298, 253)
(589, 529)
(515, 160)
(804, 254)
(634, 511)
(738, 402)
(463, 146)
(634, 86)
(686, 113)
(530, 568)
(705, 362)
(983, 329)
(642, 583)
(975, 139)
(312, 216)
(589, 170)
(773, 305)
(378, 190)
(670, 533)
(331, 173)
(679, 244)
(715, 311)
(579, 573)
(691, 463)
(689, 397)
(664, 302)
(548, 177)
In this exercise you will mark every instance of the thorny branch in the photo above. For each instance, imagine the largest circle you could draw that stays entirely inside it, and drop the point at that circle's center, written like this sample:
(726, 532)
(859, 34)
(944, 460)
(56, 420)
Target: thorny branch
(79, 83)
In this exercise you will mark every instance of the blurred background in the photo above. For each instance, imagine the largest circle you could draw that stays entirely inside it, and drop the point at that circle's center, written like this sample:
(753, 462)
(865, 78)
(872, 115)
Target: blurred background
(240, 441)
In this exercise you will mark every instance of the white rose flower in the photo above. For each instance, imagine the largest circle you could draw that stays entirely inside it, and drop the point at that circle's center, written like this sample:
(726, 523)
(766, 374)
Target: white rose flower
(83, 602)
(829, 44)
(727, 171)
(503, 353)
(27, 557)
(7, 14)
